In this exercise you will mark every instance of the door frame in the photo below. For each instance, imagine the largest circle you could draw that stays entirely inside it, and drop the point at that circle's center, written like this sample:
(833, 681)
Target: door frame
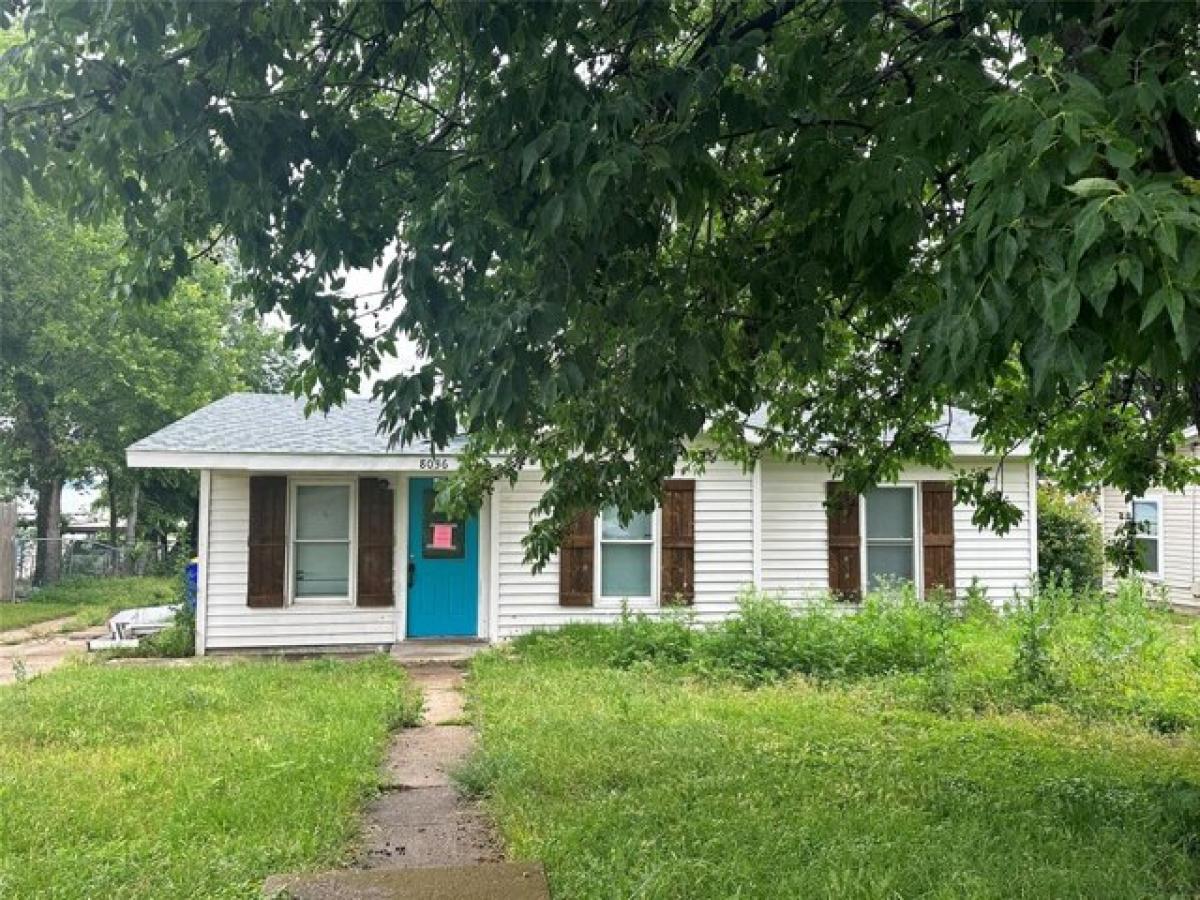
(484, 588)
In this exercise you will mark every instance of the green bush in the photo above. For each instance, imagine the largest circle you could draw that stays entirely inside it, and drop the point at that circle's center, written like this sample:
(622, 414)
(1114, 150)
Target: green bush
(892, 631)
(175, 641)
(768, 639)
(1070, 544)
(669, 640)
(1084, 652)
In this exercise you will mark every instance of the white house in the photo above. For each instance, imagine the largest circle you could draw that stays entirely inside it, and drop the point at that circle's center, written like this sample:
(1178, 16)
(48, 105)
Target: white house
(315, 535)
(1168, 541)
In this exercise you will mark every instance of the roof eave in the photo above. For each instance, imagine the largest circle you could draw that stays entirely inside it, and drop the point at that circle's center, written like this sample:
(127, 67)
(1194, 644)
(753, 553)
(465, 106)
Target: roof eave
(401, 461)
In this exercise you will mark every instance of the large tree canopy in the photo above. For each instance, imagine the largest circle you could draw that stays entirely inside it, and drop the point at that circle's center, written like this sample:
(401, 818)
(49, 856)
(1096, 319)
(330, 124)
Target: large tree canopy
(611, 225)
(83, 375)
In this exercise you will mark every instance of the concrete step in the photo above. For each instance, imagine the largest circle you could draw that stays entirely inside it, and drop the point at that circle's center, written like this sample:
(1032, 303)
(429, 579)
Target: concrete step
(495, 881)
(424, 652)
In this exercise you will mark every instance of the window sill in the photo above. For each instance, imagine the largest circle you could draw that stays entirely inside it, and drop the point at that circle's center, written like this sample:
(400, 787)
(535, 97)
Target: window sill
(321, 603)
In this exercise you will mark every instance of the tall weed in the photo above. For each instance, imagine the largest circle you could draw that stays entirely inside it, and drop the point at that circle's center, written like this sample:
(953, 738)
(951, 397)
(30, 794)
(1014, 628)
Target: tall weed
(1082, 651)
(1035, 617)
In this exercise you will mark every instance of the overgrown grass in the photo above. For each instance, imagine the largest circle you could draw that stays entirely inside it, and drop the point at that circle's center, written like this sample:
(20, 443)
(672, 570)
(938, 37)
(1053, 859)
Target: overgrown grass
(190, 782)
(908, 752)
(89, 601)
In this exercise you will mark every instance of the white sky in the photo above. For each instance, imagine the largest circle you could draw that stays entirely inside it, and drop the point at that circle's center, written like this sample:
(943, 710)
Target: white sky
(369, 282)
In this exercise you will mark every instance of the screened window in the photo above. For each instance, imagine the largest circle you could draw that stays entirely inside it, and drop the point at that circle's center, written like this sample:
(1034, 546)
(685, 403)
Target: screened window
(1147, 541)
(321, 541)
(626, 555)
(890, 532)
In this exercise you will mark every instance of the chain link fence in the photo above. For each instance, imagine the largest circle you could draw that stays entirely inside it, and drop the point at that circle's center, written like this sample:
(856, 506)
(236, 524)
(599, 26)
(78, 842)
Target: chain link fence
(84, 557)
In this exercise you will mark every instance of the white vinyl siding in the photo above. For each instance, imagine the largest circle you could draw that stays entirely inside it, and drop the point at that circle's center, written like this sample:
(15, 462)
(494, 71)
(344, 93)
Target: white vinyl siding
(791, 553)
(794, 537)
(1179, 554)
(230, 624)
(724, 554)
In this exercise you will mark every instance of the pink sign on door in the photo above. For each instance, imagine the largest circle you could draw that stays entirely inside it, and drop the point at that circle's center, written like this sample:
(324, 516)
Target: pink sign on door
(443, 536)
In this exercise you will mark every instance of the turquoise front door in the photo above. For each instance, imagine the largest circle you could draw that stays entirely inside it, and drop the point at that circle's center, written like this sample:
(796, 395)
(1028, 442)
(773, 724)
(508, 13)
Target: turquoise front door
(443, 568)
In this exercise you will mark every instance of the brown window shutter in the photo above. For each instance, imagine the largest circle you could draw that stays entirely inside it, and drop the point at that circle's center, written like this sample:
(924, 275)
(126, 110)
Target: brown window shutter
(937, 534)
(678, 542)
(845, 542)
(576, 561)
(376, 543)
(268, 541)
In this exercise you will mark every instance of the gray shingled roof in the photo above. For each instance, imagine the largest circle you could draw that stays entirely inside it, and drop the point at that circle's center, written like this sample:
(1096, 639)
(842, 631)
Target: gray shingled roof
(957, 426)
(276, 423)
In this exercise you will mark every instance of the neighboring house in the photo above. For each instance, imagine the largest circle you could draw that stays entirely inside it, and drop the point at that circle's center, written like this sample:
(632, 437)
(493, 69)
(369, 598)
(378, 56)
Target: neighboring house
(315, 535)
(1168, 542)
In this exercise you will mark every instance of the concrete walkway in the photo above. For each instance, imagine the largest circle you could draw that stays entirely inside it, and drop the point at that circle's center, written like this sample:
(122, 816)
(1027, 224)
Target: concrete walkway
(420, 819)
(421, 838)
(40, 648)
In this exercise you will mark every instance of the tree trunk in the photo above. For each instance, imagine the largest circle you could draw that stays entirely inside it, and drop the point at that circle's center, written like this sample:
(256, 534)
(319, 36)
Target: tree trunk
(8, 531)
(131, 519)
(112, 507)
(131, 526)
(48, 564)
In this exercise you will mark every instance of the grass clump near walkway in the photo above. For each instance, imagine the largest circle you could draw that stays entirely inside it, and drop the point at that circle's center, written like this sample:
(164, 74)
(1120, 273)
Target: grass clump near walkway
(911, 753)
(89, 601)
(188, 782)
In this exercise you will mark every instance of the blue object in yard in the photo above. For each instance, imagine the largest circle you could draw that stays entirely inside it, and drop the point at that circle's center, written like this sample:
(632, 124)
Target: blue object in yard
(191, 580)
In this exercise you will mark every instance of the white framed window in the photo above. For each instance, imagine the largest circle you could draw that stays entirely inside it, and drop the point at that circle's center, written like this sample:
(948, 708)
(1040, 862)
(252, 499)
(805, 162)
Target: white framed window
(626, 555)
(321, 549)
(1147, 515)
(891, 523)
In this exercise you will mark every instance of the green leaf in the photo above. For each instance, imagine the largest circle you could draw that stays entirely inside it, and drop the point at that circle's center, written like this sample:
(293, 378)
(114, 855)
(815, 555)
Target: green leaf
(1154, 308)
(1094, 187)
(599, 174)
(1006, 254)
(1080, 159)
(1189, 267)
(529, 158)
(1175, 304)
(1166, 239)
(658, 157)
(1089, 225)
(1060, 304)
(554, 212)
(1121, 153)
(1134, 271)
(1125, 211)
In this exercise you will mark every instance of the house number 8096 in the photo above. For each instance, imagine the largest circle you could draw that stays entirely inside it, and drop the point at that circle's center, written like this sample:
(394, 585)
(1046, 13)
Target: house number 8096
(434, 464)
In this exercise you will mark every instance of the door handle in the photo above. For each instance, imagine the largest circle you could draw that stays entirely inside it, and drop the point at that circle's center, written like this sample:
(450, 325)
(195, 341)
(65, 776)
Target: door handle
(412, 574)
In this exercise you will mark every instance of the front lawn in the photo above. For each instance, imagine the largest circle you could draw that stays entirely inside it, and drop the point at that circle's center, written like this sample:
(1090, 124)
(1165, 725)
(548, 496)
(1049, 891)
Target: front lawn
(187, 782)
(937, 760)
(89, 601)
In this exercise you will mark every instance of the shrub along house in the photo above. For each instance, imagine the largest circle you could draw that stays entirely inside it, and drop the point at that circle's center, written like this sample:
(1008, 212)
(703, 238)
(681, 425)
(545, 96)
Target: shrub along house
(315, 535)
